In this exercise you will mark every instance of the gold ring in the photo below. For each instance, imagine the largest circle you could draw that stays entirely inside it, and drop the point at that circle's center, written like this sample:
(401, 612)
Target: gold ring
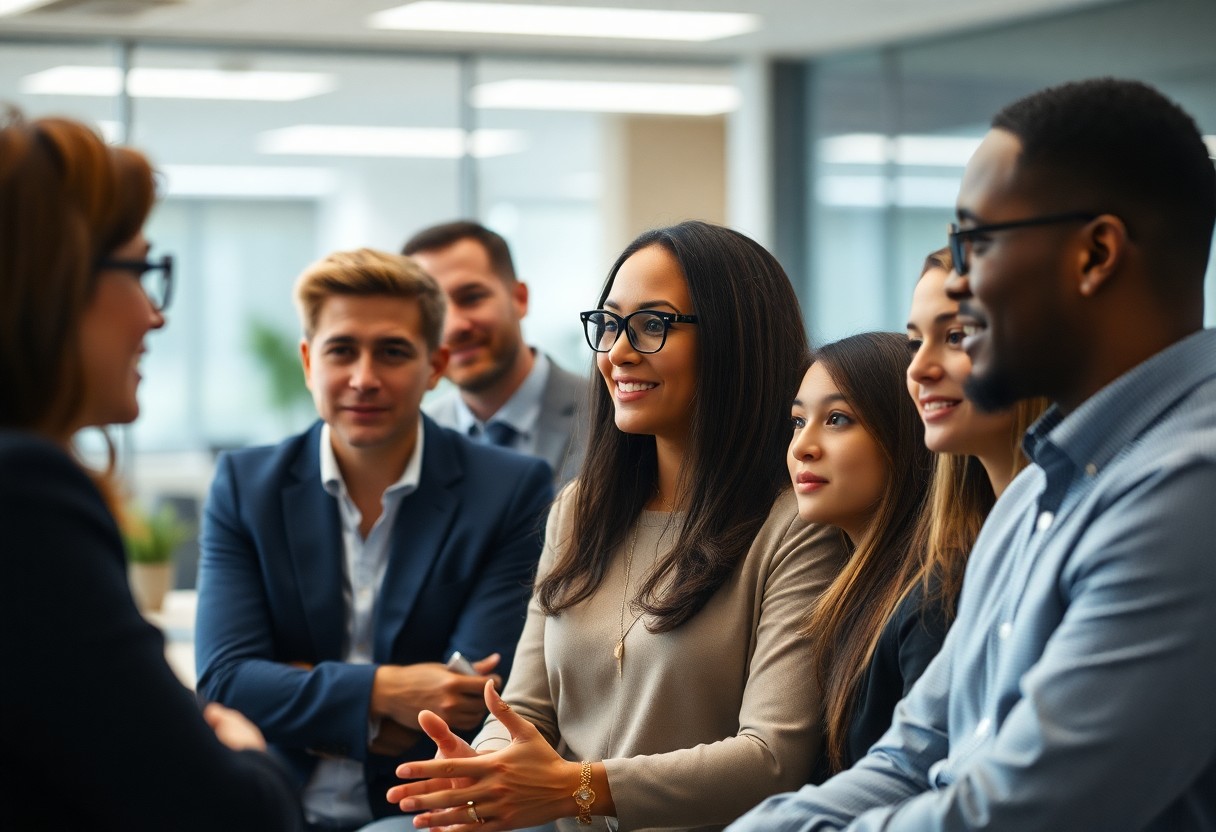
(471, 810)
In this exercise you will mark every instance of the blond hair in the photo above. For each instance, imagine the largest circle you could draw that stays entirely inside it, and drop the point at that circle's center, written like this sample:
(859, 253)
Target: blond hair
(365, 272)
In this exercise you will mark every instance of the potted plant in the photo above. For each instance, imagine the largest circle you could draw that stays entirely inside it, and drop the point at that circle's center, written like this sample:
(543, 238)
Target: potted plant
(150, 541)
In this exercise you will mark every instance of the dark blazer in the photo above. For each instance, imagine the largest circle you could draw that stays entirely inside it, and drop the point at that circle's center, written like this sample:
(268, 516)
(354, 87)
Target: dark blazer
(561, 428)
(96, 731)
(464, 549)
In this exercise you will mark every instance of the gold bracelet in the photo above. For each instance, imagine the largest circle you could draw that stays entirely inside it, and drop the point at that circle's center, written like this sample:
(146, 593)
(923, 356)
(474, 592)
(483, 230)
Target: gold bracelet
(584, 796)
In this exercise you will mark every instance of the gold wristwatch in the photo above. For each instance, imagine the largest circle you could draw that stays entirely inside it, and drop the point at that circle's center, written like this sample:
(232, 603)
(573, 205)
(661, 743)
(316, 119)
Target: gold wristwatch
(584, 796)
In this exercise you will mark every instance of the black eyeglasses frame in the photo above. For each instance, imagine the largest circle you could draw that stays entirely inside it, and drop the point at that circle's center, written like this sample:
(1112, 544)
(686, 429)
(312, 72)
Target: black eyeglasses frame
(164, 265)
(959, 236)
(668, 318)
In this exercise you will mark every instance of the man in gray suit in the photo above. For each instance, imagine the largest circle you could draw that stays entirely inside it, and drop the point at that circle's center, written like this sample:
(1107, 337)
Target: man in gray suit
(509, 394)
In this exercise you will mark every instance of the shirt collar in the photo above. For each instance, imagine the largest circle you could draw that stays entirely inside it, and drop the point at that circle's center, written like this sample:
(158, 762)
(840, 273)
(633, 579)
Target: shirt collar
(1109, 420)
(331, 474)
(521, 411)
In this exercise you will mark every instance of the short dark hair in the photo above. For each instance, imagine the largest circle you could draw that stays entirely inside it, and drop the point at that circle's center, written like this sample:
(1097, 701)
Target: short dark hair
(445, 234)
(751, 351)
(1122, 147)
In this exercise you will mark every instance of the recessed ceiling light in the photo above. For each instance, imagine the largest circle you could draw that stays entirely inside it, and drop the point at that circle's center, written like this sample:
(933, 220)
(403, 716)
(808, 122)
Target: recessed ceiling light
(150, 82)
(406, 142)
(564, 21)
(8, 7)
(606, 97)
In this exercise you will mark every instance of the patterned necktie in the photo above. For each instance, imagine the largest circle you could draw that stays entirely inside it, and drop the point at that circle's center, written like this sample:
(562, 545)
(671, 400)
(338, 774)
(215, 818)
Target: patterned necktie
(500, 434)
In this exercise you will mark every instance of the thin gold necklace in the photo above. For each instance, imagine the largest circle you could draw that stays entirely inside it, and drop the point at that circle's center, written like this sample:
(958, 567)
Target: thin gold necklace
(619, 651)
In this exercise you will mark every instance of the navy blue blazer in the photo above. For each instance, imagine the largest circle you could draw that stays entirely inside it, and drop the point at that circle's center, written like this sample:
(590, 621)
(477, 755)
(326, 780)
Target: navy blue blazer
(463, 554)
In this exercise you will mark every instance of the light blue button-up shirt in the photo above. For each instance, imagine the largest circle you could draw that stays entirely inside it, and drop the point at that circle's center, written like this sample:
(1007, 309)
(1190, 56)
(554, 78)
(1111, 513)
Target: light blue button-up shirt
(1077, 688)
(337, 792)
(521, 411)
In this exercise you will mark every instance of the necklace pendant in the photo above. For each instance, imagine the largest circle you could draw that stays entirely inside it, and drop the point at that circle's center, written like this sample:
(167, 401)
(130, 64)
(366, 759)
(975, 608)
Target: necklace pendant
(618, 653)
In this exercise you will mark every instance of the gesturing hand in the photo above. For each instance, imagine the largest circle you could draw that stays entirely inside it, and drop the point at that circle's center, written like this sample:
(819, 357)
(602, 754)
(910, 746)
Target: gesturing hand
(525, 784)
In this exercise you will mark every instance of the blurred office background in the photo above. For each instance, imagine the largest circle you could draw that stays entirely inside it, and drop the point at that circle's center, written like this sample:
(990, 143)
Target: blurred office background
(835, 133)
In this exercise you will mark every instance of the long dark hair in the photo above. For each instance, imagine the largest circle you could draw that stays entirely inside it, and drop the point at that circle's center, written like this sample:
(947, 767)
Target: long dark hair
(752, 349)
(847, 619)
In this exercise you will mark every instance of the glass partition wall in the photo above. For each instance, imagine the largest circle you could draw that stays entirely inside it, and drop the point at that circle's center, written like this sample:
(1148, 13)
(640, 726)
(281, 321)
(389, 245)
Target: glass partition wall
(893, 128)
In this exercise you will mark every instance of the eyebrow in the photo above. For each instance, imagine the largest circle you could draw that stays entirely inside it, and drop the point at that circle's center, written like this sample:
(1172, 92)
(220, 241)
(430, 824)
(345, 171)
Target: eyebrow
(940, 319)
(646, 304)
(828, 399)
(389, 341)
(965, 214)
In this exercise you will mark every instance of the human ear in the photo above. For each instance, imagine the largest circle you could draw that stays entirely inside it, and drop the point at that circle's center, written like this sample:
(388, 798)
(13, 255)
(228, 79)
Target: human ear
(1106, 246)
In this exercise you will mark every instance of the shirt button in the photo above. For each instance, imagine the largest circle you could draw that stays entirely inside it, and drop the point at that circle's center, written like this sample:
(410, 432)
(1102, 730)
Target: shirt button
(1091, 470)
(1005, 630)
(981, 730)
(1044, 522)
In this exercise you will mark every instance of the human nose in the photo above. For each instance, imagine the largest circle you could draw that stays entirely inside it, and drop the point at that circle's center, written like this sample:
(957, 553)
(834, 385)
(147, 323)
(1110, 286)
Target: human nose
(958, 287)
(924, 366)
(363, 374)
(804, 445)
(622, 350)
(455, 325)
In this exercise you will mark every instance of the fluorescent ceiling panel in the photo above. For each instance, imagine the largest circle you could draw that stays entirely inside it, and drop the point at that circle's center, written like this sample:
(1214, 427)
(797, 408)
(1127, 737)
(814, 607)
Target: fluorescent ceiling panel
(564, 21)
(247, 181)
(151, 82)
(8, 7)
(877, 149)
(405, 142)
(606, 97)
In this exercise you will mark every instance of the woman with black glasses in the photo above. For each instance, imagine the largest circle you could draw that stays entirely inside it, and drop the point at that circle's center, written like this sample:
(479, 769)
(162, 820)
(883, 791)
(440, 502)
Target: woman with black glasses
(97, 731)
(660, 680)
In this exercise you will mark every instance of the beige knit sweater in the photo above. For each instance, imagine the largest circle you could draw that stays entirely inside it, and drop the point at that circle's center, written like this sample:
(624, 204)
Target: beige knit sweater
(703, 722)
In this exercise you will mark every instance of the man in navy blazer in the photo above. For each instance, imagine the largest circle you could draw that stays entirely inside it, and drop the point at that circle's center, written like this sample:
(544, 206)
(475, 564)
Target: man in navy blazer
(341, 568)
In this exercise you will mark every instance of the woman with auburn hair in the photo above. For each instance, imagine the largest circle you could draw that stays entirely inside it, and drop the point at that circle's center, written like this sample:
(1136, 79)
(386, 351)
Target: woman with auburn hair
(858, 462)
(978, 453)
(101, 732)
(660, 658)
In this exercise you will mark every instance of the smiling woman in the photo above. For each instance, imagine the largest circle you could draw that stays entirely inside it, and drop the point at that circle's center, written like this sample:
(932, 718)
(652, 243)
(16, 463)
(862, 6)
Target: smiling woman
(627, 700)
(73, 316)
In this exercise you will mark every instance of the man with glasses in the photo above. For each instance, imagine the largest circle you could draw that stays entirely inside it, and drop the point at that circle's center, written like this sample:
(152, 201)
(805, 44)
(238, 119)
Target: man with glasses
(508, 393)
(1075, 690)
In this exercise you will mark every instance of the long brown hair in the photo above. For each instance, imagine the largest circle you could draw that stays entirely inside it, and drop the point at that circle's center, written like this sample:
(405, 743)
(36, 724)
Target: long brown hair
(66, 200)
(751, 349)
(961, 496)
(846, 621)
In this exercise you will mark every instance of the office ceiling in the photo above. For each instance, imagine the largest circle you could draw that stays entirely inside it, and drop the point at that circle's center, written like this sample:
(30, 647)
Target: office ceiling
(792, 28)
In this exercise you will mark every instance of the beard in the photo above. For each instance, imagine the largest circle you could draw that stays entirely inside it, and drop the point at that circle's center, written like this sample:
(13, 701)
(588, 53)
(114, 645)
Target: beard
(992, 393)
(495, 373)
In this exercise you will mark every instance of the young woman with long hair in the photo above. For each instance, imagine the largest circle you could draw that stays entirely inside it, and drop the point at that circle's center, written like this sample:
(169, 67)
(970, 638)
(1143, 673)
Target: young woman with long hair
(978, 453)
(101, 733)
(660, 659)
(858, 462)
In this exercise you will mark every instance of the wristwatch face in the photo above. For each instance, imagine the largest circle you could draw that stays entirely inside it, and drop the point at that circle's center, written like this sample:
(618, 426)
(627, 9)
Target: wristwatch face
(584, 796)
